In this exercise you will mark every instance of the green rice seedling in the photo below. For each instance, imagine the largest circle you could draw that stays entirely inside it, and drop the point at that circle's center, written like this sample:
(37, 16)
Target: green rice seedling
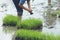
(58, 12)
(28, 34)
(31, 24)
(51, 37)
(58, 37)
(58, 0)
(19, 24)
(53, 14)
(34, 35)
(10, 20)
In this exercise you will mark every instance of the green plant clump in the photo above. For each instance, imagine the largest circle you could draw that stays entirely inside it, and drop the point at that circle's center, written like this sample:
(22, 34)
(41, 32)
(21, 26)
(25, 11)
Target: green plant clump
(30, 24)
(10, 20)
(34, 35)
(58, 12)
(58, 0)
(53, 14)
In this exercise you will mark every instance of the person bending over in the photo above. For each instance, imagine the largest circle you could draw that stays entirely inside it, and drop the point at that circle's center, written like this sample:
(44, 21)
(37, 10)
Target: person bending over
(19, 6)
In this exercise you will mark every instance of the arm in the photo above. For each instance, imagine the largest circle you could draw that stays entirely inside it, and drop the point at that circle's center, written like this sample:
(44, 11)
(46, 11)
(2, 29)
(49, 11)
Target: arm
(23, 7)
(28, 2)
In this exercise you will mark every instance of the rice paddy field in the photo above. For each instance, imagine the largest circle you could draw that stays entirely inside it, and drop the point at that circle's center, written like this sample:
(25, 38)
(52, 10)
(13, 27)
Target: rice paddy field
(46, 17)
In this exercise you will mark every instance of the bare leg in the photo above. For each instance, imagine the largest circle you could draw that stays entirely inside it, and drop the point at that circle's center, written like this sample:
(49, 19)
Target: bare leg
(20, 15)
(20, 18)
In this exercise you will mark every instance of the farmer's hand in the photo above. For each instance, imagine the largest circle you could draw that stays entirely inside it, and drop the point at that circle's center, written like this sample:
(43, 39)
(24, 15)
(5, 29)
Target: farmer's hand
(30, 11)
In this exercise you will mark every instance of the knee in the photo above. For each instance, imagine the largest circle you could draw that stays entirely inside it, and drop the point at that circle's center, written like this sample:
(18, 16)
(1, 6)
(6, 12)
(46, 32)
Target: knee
(19, 5)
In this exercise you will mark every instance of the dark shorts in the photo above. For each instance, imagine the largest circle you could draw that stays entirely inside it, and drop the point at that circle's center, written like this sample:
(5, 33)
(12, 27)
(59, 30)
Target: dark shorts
(16, 2)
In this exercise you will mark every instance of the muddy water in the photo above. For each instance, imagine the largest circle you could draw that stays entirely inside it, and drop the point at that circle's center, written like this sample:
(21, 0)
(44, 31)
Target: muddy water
(52, 21)
(40, 9)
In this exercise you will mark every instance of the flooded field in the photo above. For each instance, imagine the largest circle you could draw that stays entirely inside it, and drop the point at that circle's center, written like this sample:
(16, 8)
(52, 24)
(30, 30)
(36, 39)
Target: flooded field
(41, 10)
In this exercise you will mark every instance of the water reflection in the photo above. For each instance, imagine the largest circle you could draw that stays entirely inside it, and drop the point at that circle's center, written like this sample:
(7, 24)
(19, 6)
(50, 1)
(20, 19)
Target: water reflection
(50, 17)
(6, 33)
(9, 29)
